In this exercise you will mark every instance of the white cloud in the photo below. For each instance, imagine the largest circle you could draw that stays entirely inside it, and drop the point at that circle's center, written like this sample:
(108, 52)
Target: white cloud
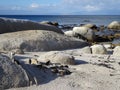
(16, 8)
(42, 6)
(91, 8)
(68, 7)
(34, 5)
(70, 1)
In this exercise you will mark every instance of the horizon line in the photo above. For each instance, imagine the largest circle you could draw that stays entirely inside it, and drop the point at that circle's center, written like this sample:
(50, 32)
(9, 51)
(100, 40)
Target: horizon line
(60, 14)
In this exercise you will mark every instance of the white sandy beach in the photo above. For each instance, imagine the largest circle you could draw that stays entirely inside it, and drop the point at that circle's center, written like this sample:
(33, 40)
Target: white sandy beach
(89, 73)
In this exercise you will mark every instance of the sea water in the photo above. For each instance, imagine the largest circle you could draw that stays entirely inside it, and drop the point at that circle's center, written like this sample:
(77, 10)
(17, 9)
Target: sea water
(69, 19)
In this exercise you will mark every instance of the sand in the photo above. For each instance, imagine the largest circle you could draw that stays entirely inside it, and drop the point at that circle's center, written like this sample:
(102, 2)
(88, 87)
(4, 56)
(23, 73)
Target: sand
(91, 72)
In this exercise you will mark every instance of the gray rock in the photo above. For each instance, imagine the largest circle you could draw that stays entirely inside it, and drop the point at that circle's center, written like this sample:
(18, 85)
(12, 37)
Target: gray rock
(91, 26)
(57, 57)
(18, 51)
(50, 23)
(38, 40)
(11, 75)
(90, 35)
(116, 41)
(87, 50)
(105, 33)
(69, 33)
(116, 51)
(85, 32)
(13, 25)
(115, 25)
(46, 22)
(98, 49)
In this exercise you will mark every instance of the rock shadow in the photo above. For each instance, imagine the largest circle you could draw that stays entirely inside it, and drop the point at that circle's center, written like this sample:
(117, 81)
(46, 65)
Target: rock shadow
(78, 62)
(38, 76)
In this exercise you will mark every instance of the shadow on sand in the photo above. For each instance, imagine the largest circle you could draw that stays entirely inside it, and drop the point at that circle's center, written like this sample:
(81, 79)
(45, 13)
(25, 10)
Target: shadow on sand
(78, 62)
(40, 76)
(36, 75)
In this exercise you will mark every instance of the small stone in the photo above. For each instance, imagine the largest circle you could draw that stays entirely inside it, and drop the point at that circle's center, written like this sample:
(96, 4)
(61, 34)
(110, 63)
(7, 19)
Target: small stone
(98, 49)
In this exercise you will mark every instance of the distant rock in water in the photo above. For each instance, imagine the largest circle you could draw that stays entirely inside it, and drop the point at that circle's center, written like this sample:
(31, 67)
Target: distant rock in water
(13, 25)
(11, 75)
(86, 21)
(39, 40)
(115, 25)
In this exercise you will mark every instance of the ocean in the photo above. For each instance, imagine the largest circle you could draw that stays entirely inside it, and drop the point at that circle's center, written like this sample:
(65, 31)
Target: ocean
(69, 19)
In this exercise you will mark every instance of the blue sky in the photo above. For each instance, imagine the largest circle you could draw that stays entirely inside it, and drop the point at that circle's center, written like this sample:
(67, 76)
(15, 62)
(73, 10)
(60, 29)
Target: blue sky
(60, 7)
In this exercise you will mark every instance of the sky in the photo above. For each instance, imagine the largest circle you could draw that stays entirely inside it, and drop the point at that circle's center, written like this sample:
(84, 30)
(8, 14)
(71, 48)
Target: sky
(59, 7)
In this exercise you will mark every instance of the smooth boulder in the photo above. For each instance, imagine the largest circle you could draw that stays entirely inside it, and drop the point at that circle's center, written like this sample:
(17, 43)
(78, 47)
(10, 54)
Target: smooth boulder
(13, 25)
(38, 40)
(116, 51)
(115, 25)
(11, 75)
(91, 26)
(85, 50)
(85, 32)
(57, 57)
(69, 33)
(98, 49)
(50, 23)
(18, 51)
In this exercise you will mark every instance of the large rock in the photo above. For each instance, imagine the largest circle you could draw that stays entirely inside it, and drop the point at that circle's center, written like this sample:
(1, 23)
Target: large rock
(91, 26)
(38, 40)
(85, 32)
(98, 49)
(13, 25)
(11, 75)
(116, 41)
(116, 51)
(69, 33)
(50, 23)
(115, 25)
(57, 57)
(85, 50)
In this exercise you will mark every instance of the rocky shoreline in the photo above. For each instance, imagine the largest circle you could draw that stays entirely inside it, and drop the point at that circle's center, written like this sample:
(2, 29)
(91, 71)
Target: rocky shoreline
(47, 54)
